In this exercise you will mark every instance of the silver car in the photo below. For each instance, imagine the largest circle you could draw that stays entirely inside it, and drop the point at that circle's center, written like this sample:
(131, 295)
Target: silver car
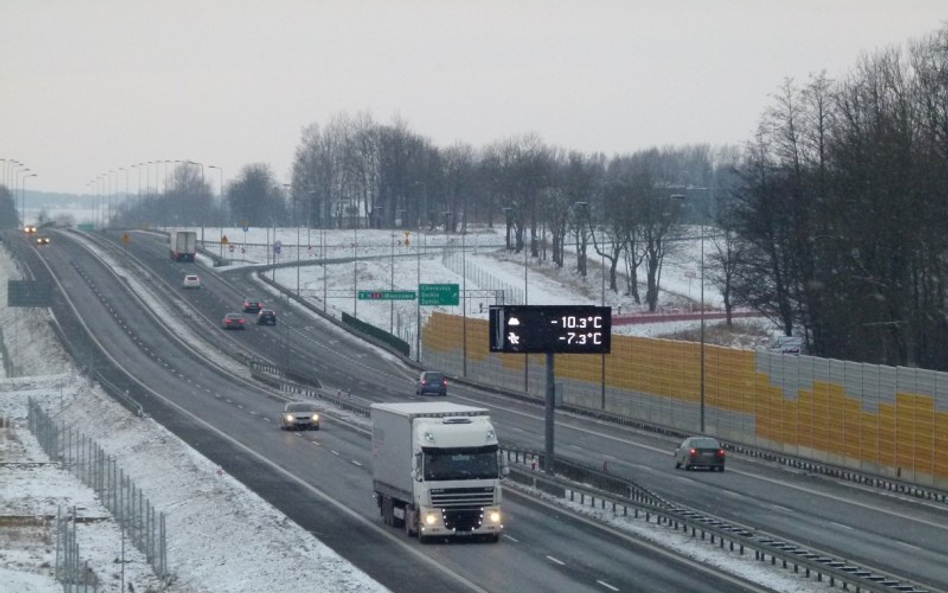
(300, 416)
(695, 452)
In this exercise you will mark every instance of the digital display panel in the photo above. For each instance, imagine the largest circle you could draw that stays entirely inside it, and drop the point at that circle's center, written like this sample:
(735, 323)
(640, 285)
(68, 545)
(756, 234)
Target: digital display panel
(530, 329)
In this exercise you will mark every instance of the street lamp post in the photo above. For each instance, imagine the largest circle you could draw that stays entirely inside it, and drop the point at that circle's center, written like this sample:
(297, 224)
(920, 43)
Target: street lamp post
(702, 330)
(112, 185)
(221, 207)
(701, 417)
(201, 214)
(16, 185)
(464, 292)
(418, 303)
(355, 271)
(23, 193)
(391, 321)
(125, 200)
(88, 184)
(322, 254)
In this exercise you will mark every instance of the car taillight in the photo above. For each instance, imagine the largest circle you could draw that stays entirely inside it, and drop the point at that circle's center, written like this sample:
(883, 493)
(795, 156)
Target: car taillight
(721, 453)
(445, 382)
(693, 452)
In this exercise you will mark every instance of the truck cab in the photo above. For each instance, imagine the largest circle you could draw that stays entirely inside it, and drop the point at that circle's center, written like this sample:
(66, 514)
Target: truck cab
(437, 469)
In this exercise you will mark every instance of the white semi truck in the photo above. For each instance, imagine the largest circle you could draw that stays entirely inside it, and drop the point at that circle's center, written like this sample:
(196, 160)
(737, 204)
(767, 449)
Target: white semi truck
(183, 245)
(436, 470)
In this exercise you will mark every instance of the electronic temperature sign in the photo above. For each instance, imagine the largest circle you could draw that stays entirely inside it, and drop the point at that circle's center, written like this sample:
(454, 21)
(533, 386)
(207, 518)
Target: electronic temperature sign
(533, 329)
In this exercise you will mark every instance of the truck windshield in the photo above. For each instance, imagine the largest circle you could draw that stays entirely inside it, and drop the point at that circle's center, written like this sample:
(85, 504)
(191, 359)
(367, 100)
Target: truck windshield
(469, 463)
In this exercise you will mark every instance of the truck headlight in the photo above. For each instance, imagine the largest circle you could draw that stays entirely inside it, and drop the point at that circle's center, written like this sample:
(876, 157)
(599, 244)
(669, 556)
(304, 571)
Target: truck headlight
(315, 417)
(289, 417)
(431, 518)
(495, 516)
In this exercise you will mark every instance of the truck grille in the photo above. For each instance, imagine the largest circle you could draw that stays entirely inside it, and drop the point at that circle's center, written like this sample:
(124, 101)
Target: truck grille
(462, 497)
(462, 520)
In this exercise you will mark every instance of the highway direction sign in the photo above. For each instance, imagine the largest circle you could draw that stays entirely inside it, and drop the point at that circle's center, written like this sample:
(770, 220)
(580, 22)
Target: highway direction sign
(386, 295)
(438, 294)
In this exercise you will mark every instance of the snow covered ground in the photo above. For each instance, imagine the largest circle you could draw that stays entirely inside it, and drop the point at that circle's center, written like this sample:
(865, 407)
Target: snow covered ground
(224, 537)
(253, 545)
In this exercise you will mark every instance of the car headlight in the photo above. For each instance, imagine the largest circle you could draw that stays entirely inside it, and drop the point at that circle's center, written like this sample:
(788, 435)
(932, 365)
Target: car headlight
(495, 516)
(289, 417)
(315, 417)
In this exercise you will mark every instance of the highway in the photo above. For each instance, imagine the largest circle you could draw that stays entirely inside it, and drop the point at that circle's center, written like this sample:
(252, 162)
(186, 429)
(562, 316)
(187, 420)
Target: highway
(901, 536)
(898, 535)
(322, 479)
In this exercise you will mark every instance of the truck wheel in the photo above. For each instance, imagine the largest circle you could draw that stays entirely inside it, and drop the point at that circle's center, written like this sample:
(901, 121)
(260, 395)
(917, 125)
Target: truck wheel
(493, 538)
(386, 510)
(409, 522)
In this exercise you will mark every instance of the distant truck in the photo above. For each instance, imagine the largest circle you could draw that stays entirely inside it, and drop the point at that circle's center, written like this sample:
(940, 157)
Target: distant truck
(436, 470)
(183, 245)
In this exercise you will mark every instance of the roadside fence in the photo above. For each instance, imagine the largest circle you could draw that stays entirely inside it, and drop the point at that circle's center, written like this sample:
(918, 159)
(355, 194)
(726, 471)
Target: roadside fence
(86, 460)
(482, 278)
(71, 571)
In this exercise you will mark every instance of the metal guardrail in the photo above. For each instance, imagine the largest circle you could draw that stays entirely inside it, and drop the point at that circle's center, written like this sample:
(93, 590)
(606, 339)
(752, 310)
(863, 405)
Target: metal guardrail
(641, 503)
(581, 483)
(809, 465)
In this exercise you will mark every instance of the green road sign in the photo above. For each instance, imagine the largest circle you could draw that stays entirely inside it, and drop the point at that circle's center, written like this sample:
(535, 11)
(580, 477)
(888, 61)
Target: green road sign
(438, 294)
(386, 295)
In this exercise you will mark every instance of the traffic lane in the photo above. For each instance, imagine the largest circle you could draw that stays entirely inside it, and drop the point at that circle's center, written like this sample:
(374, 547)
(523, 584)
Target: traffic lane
(320, 516)
(108, 302)
(715, 501)
(136, 340)
(357, 541)
(597, 556)
(888, 542)
(539, 552)
(340, 468)
(311, 343)
(741, 494)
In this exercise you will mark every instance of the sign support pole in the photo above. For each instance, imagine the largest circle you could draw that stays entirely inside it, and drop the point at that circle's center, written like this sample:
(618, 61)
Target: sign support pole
(550, 405)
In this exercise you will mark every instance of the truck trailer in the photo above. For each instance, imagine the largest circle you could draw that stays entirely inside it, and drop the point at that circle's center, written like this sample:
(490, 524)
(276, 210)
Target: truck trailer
(436, 470)
(183, 245)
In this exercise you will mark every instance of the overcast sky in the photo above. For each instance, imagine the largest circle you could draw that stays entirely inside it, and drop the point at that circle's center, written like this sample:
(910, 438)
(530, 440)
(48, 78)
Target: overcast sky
(88, 86)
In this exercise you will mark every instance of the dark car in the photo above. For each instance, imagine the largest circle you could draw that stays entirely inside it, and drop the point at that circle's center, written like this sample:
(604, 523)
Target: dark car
(695, 452)
(42, 240)
(300, 416)
(234, 321)
(432, 382)
(252, 305)
(266, 317)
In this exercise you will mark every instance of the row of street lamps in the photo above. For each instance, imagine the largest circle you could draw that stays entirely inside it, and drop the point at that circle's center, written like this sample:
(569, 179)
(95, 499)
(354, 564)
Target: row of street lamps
(104, 186)
(12, 169)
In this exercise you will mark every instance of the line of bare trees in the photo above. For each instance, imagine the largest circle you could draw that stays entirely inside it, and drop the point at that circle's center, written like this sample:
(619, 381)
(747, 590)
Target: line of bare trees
(624, 209)
(841, 216)
(831, 220)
